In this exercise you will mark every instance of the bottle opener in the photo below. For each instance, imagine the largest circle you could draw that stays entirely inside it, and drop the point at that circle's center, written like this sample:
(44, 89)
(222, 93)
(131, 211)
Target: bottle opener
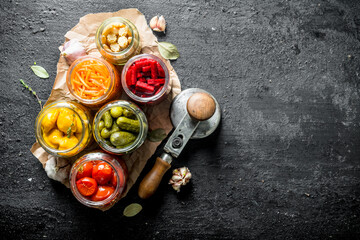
(196, 114)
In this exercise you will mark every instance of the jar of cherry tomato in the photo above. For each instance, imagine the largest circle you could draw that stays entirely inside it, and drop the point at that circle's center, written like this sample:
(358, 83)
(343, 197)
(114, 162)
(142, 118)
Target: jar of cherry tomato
(63, 128)
(98, 179)
(93, 81)
(145, 79)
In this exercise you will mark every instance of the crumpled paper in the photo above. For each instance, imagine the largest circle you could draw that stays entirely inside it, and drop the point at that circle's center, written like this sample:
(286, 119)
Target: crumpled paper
(158, 115)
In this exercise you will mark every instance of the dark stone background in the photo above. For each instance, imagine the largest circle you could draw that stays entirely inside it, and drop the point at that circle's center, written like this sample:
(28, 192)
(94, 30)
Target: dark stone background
(285, 161)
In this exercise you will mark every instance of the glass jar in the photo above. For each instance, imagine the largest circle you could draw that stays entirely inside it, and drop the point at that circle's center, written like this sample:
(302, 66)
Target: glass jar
(117, 183)
(63, 128)
(124, 54)
(130, 89)
(99, 76)
(130, 113)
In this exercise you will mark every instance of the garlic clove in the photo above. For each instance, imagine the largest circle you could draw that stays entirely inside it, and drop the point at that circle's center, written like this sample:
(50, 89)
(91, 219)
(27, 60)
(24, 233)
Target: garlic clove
(153, 22)
(176, 178)
(161, 25)
(158, 24)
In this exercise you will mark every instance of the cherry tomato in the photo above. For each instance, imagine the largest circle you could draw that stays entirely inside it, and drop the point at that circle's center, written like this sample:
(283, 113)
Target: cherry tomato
(85, 170)
(102, 193)
(102, 173)
(87, 186)
(114, 180)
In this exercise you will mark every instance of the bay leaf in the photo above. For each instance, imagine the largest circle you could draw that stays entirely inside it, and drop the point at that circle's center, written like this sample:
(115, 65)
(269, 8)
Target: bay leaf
(157, 135)
(168, 50)
(40, 71)
(132, 209)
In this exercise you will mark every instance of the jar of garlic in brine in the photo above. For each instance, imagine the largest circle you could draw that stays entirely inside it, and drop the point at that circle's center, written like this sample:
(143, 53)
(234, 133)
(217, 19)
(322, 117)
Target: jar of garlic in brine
(118, 40)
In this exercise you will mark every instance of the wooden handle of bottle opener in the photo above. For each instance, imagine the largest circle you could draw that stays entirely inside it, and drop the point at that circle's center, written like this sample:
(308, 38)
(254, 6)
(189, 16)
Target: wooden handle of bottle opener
(152, 180)
(201, 106)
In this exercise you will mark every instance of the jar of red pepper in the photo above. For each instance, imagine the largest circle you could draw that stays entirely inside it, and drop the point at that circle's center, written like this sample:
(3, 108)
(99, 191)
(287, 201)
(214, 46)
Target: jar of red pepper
(145, 79)
(98, 179)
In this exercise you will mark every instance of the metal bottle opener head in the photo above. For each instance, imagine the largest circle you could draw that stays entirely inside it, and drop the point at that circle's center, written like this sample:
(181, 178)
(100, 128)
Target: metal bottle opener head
(178, 111)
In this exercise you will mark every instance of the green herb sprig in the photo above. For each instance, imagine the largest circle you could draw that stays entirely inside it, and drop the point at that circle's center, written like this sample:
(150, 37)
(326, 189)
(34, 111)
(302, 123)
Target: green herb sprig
(32, 91)
(68, 132)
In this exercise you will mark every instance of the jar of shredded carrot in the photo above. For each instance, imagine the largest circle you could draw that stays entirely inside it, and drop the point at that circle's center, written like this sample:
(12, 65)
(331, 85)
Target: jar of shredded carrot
(93, 81)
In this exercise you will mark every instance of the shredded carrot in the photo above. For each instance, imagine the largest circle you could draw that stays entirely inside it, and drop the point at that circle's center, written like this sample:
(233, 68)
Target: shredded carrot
(90, 79)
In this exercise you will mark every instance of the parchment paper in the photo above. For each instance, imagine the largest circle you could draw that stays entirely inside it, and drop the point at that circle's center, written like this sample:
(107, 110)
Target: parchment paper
(158, 115)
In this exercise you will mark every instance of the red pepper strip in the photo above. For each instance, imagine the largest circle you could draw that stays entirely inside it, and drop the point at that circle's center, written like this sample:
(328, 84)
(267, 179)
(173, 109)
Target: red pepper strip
(133, 77)
(129, 77)
(141, 63)
(142, 79)
(154, 72)
(160, 70)
(144, 86)
(146, 68)
(155, 81)
(151, 81)
(138, 75)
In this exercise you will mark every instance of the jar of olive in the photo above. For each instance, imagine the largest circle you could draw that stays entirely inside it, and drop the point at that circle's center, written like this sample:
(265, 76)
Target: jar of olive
(63, 128)
(120, 127)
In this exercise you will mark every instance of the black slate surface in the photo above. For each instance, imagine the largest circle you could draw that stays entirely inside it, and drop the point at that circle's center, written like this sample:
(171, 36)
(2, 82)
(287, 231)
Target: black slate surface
(285, 161)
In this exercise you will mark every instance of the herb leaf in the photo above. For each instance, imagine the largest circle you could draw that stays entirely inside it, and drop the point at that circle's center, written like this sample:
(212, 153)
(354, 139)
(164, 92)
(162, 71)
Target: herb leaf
(132, 209)
(68, 132)
(32, 91)
(168, 50)
(157, 135)
(40, 71)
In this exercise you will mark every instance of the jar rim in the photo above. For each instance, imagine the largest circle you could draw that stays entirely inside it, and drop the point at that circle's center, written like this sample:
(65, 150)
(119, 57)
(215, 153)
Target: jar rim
(139, 139)
(38, 130)
(134, 96)
(96, 156)
(114, 20)
(108, 91)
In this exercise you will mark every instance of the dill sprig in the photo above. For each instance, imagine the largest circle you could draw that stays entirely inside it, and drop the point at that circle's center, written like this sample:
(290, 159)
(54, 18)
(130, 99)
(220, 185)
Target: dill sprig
(68, 132)
(32, 91)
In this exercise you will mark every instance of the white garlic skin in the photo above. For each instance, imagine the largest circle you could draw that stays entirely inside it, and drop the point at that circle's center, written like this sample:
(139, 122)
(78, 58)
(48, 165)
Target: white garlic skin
(180, 177)
(72, 50)
(58, 169)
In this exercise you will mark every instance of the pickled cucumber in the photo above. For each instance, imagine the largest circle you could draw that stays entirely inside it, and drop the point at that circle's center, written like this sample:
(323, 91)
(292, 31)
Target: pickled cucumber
(108, 120)
(128, 113)
(128, 124)
(122, 138)
(116, 112)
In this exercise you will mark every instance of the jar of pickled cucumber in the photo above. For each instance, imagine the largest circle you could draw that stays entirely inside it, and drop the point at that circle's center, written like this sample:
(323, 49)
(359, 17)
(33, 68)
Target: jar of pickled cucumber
(117, 39)
(63, 128)
(98, 179)
(120, 127)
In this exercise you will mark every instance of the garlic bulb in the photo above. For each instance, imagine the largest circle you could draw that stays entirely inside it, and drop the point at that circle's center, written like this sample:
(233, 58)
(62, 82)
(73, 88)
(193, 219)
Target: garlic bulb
(58, 169)
(72, 50)
(180, 177)
(158, 24)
